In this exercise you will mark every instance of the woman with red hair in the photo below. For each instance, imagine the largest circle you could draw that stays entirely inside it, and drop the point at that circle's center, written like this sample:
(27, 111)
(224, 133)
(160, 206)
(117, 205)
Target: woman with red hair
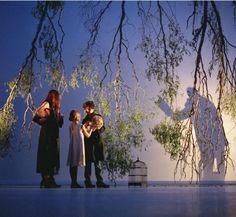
(49, 117)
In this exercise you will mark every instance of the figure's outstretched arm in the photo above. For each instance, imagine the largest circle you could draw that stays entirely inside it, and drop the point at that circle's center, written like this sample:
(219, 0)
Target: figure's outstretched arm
(185, 112)
(180, 115)
(165, 107)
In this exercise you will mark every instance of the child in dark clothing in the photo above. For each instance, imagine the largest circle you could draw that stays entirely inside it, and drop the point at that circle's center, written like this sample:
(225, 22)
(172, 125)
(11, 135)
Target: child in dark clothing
(94, 147)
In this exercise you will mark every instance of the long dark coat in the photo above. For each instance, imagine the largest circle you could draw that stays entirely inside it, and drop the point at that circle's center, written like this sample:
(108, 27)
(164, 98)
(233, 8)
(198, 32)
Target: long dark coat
(48, 159)
(94, 145)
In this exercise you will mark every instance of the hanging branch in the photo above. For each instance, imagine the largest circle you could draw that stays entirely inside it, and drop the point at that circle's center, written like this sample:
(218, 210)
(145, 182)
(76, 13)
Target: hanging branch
(26, 79)
(201, 32)
(53, 54)
(124, 130)
(118, 71)
(164, 47)
(200, 77)
(96, 26)
(7, 112)
(219, 52)
(164, 41)
(187, 155)
(223, 76)
(193, 16)
(93, 24)
(59, 63)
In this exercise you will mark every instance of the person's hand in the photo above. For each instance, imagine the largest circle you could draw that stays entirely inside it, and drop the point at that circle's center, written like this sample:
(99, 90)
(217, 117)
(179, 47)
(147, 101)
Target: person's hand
(93, 127)
(61, 116)
(42, 120)
(83, 127)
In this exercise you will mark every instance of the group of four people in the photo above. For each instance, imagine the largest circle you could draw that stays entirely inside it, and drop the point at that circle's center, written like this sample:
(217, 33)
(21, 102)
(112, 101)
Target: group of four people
(85, 146)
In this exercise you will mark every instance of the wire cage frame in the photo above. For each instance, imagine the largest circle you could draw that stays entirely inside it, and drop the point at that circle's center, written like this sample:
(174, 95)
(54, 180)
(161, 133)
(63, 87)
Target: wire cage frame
(138, 174)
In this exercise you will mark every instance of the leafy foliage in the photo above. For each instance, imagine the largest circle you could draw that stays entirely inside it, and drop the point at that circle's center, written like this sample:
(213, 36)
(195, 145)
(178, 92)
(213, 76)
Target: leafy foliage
(164, 47)
(229, 104)
(82, 74)
(169, 134)
(124, 130)
(26, 81)
(7, 121)
(120, 138)
(53, 75)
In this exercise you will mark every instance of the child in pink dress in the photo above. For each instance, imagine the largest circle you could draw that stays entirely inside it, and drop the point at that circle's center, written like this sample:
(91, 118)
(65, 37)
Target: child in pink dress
(76, 154)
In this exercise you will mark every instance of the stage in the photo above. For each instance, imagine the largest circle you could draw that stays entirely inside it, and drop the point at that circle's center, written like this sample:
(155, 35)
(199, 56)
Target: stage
(121, 201)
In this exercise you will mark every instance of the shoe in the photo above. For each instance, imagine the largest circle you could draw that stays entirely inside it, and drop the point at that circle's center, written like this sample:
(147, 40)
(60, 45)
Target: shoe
(55, 185)
(76, 185)
(42, 184)
(89, 185)
(51, 184)
(102, 185)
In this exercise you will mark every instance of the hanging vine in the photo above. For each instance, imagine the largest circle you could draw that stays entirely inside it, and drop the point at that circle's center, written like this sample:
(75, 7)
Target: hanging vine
(209, 27)
(114, 97)
(45, 38)
(116, 87)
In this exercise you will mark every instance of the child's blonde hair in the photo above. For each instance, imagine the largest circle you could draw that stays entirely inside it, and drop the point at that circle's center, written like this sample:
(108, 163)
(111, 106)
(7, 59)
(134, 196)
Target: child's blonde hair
(74, 115)
(98, 121)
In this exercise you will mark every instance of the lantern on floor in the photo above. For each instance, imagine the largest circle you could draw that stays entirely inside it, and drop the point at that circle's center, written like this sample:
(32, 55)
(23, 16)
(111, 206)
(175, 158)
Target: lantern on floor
(138, 174)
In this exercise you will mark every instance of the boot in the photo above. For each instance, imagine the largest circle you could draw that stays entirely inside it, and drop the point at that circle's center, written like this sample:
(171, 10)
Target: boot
(102, 185)
(51, 183)
(76, 185)
(88, 184)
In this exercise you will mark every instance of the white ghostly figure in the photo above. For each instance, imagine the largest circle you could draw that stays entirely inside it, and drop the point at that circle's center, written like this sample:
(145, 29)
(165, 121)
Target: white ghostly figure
(209, 133)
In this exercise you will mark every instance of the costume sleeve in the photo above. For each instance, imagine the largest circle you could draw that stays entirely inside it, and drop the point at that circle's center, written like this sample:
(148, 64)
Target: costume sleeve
(61, 121)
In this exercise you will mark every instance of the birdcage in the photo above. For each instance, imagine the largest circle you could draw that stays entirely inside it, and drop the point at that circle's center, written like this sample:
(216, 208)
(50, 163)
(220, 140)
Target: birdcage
(138, 174)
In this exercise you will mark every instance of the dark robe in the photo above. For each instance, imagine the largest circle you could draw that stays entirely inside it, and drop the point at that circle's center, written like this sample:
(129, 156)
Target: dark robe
(48, 159)
(94, 145)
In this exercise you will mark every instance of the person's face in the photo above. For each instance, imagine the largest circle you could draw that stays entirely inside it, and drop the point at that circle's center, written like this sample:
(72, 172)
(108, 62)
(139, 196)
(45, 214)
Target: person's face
(89, 110)
(77, 118)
